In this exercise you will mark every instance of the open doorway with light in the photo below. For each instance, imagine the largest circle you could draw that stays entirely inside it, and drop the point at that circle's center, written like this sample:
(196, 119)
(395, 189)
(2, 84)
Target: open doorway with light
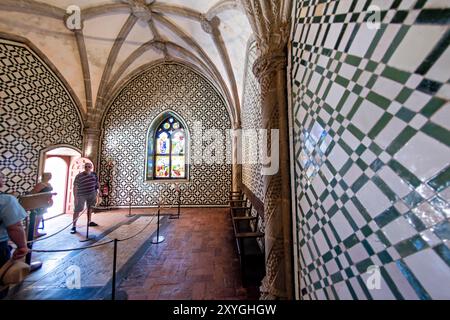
(60, 162)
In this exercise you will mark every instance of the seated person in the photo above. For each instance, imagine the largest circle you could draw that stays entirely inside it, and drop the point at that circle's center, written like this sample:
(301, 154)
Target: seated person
(11, 216)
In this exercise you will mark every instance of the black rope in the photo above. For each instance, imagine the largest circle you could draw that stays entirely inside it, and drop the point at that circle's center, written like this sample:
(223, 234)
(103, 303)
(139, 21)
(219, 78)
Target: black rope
(115, 241)
(125, 239)
(45, 238)
(74, 249)
(95, 245)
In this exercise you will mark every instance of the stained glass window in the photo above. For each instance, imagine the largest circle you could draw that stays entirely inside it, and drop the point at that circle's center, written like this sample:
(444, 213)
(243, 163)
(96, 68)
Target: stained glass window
(169, 156)
(162, 166)
(178, 142)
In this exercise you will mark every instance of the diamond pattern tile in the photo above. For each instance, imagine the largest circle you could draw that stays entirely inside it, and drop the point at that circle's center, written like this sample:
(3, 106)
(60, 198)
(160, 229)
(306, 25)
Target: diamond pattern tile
(251, 123)
(164, 87)
(372, 158)
(251, 120)
(36, 111)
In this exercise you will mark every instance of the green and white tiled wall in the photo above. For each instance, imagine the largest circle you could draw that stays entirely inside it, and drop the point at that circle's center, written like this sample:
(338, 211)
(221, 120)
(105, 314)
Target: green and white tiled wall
(251, 121)
(36, 112)
(371, 121)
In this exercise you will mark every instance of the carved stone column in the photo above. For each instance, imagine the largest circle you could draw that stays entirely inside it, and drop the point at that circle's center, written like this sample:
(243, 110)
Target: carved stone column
(270, 22)
(91, 144)
(270, 69)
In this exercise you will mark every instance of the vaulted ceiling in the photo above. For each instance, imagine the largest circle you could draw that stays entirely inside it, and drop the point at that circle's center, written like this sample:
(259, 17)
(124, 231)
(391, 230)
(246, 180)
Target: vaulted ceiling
(120, 37)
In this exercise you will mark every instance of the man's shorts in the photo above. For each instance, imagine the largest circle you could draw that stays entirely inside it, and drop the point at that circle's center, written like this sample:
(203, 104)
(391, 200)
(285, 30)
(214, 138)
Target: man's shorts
(88, 199)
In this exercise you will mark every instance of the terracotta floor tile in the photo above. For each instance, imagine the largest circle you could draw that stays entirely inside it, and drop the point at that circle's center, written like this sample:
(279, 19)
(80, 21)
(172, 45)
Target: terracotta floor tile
(197, 260)
(200, 247)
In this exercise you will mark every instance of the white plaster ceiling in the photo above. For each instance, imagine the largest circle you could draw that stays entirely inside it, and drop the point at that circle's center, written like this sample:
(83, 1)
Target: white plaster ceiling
(139, 35)
(99, 42)
(103, 20)
(198, 5)
(48, 34)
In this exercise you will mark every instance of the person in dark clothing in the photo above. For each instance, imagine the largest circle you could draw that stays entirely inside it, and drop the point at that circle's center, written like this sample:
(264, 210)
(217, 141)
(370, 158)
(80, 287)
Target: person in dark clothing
(85, 189)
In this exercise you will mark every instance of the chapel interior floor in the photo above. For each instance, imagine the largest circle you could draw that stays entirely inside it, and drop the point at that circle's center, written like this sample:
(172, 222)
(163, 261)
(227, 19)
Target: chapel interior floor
(197, 260)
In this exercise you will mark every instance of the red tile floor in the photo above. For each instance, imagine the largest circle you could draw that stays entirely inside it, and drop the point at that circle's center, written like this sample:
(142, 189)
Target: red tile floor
(197, 261)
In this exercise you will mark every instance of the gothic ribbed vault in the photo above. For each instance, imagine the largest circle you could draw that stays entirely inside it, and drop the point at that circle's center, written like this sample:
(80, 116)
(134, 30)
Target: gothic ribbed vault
(119, 36)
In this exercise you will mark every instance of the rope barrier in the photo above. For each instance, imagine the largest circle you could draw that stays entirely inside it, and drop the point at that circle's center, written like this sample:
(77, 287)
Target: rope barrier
(125, 239)
(75, 249)
(97, 244)
(47, 237)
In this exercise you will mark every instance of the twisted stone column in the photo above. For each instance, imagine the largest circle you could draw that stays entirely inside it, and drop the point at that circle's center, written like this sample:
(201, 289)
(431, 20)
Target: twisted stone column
(270, 70)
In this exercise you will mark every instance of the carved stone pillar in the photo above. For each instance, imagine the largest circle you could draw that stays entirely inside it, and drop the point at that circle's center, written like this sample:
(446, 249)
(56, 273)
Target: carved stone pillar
(91, 144)
(270, 69)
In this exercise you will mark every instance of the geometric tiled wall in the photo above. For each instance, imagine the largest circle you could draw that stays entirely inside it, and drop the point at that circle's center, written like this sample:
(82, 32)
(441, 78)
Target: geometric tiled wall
(371, 121)
(251, 120)
(251, 123)
(36, 112)
(166, 86)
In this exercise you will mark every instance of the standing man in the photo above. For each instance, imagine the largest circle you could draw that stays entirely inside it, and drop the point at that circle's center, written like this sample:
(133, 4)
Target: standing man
(11, 216)
(85, 188)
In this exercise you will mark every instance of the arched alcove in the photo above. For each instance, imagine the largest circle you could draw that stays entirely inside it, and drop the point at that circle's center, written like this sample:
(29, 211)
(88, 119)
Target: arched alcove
(37, 111)
(143, 102)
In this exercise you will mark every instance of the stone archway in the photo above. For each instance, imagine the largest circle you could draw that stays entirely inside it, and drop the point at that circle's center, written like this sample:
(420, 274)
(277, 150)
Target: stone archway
(157, 89)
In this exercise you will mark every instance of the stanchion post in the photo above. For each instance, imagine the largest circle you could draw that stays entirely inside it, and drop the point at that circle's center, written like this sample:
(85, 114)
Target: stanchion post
(87, 228)
(177, 216)
(32, 223)
(158, 239)
(129, 209)
(30, 236)
(129, 215)
(113, 293)
(179, 203)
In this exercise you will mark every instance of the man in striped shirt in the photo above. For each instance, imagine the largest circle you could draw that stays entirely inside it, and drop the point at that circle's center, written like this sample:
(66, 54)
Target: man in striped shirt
(85, 188)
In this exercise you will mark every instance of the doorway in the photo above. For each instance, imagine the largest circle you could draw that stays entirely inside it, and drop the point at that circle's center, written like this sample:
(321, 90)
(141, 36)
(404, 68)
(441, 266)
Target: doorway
(59, 161)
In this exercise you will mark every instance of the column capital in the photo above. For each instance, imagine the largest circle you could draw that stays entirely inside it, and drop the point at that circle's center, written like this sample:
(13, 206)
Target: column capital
(209, 25)
(268, 63)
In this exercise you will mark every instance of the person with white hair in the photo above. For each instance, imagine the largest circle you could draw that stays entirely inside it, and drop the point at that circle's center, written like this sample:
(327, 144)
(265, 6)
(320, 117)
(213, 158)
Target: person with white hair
(11, 228)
